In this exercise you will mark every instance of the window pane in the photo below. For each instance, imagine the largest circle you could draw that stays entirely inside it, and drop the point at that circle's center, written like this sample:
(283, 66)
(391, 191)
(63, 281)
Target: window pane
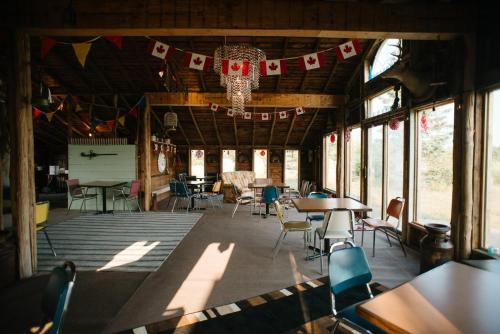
(198, 163)
(330, 161)
(292, 168)
(375, 142)
(435, 165)
(355, 164)
(386, 56)
(492, 221)
(382, 103)
(260, 163)
(395, 162)
(228, 160)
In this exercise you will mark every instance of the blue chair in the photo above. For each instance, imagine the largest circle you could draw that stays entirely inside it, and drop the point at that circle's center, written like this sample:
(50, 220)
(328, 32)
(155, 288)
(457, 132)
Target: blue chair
(316, 217)
(348, 268)
(57, 294)
(173, 192)
(270, 194)
(181, 191)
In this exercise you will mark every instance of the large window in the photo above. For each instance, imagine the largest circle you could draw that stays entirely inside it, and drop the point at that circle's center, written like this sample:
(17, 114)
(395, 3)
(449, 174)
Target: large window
(354, 160)
(330, 161)
(387, 54)
(395, 160)
(375, 169)
(492, 177)
(260, 163)
(197, 163)
(382, 103)
(435, 164)
(292, 168)
(228, 160)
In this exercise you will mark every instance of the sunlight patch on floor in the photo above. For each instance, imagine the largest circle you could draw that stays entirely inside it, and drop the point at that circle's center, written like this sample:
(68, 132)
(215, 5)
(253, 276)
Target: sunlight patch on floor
(130, 254)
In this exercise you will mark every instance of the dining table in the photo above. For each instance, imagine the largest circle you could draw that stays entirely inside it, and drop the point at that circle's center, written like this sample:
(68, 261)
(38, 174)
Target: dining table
(104, 185)
(192, 184)
(256, 186)
(452, 298)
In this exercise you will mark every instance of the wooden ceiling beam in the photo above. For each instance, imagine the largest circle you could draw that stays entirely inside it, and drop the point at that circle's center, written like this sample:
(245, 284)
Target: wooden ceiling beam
(290, 129)
(272, 129)
(269, 100)
(304, 76)
(196, 125)
(63, 122)
(216, 128)
(147, 67)
(106, 82)
(311, 122)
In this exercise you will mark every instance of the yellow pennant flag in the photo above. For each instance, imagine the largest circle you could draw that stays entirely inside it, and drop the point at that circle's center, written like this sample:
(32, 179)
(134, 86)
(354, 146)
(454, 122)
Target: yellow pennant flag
(49, 115)
(81, 51)
(78, 108)
(121, 120)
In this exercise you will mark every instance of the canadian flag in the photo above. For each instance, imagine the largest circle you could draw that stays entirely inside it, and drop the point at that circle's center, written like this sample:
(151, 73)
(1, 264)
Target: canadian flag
(273, 67)
(197, 61)
(299, 111)
(235, 67)
(283, 114)
(230, 112)
(348, 49)
(312, 61)
(265, 116)
(161, 50)
(213, 106)
(247, 115)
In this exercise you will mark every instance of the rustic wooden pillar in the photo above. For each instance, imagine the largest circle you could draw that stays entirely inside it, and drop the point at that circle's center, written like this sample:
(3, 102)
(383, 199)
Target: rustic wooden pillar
(340, 191)
(146, 154)
(22, 169)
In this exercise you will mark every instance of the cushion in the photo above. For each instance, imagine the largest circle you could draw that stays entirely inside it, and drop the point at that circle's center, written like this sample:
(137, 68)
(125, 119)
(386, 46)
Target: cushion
(297, 225)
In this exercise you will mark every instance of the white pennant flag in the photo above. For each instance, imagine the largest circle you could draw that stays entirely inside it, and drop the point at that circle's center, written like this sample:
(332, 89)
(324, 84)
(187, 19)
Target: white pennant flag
(230, 112)
(312, 61)
(213, 106)
(283, 114)
(348, 49)
(161, 50)
(299, 111)
(265, 116)
(273, 67)
(197, 61)
(247, 115)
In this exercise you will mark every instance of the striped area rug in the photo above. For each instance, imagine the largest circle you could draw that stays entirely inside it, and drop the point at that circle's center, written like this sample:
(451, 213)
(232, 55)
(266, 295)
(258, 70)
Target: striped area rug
(121, 242)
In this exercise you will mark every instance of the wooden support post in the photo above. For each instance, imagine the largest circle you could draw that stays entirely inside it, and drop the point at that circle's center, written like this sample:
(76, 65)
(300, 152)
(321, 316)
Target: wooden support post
(22, 180)
(146, 154)
(340, 191)
(216, 128)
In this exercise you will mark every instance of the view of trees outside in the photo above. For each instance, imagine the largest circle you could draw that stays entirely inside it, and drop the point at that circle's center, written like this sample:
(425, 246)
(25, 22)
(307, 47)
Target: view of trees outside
(228, 160)
(355, 164)
(292, 168)
(387, 54)
(198, 162)
(382, 103)
(375, 147)
(435, 165)
(330, 162)
(260, 163)
(492, 232)
(395, 163)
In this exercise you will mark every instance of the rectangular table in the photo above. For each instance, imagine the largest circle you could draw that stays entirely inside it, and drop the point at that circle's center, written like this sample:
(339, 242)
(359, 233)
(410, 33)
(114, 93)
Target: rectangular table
(103, 185)
(328, 204)
(452, 298)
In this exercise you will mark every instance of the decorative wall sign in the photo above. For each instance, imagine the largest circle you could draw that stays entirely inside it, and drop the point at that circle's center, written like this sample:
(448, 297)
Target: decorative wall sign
(162, 162)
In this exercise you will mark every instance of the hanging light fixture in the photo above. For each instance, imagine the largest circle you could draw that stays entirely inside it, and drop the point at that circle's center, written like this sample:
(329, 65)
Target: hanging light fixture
(238, 67)
(170, 121)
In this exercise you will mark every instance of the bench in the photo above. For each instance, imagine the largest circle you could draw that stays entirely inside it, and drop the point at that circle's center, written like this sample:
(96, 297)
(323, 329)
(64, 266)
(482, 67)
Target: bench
(155, 194)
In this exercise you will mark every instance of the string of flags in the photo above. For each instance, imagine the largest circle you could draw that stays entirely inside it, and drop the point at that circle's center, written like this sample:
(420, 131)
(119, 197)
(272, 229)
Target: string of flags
(267, 116)
(202, 62)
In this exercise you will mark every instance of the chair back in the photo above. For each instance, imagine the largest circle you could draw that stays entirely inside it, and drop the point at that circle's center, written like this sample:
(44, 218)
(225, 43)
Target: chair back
(74, 187)
(173, 186)
(270, 194)
(338, 220)
(279, 212)
(315, 194)
(236, 192)
(41, 212)
(57, 294)
(134, 189)
(303, 188)
(395, 208)
(347, 267)
(182, 177)
(261, 181)
(216, 187)
(182, 189)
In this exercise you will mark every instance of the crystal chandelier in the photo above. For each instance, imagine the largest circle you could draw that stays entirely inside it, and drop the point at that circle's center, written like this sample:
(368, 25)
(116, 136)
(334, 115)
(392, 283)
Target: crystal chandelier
(239, 86)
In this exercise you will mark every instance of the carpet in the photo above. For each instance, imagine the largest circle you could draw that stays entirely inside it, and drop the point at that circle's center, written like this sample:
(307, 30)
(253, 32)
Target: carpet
(275, 312)
(137, 242)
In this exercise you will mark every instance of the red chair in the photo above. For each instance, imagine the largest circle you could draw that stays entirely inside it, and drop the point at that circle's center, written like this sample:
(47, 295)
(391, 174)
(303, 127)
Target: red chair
(131, 195)
(79, 193)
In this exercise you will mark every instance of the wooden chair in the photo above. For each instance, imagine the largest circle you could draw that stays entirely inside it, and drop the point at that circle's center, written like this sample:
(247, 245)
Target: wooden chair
(41, 218)
(394, 210)
(121, 194)
(79, 193)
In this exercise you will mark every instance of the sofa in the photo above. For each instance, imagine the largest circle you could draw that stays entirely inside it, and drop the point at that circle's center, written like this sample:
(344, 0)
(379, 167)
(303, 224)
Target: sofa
(240, 179)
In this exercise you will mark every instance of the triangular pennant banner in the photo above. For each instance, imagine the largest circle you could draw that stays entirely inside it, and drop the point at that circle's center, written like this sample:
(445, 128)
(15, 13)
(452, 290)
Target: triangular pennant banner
(78, 108)
(213, 106)
(81, 51)
(36, 113)
(265, 116)
(247, 115)
(110, 124)
(299, 111)
(283, 114)
(116, 40)
(46, 45)
(49, 115)
(230, 112)
(121, 120)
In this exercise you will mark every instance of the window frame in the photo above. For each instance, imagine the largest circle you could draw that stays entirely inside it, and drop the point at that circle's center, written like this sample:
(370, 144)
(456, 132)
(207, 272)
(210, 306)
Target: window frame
(323, 163)
(369, 62)
(222, 158)
(204, 160)
(347, 164)
(384, 115)
(267, 160)
(298, 166)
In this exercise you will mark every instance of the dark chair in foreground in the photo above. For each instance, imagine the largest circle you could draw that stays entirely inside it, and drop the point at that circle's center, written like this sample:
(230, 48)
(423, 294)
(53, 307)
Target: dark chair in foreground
(57, 294)
(79, 193)
(41, 217)
(121, 194)
(348, 268)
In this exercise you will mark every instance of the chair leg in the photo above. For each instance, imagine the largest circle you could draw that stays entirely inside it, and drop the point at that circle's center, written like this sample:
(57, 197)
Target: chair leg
(402, 246)
(114, 200)
(362, 233)
(321, 241)
(173, 206)
(50, 243)
(69, 207)
(235, 208)
(278, 243)
(128, 206)
(387, 236)
(374, 232)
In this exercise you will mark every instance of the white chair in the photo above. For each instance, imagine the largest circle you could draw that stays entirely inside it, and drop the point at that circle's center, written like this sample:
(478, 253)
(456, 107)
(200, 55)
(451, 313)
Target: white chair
(337, 224)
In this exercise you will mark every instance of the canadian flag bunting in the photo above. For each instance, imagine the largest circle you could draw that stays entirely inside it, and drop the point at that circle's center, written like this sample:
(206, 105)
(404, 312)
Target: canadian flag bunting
(230, 112)
(197, 61)
(235, 67)
(283, 114)
(299, 111)
(312, 61)
(273, 67)
(247, 115)
(213, 106)
(348, 49)
(161, 50)
(265, 116)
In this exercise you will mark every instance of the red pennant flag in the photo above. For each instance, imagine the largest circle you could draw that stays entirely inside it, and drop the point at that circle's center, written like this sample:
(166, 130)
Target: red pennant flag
(116, 40)
(235, 67)
(46, 45)
(312, 61)
(110, 124)
(36, 113)
(134, 112)
(197, 61)
(161, 50)
(273, 67)
(348, 49)
(213, 106)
